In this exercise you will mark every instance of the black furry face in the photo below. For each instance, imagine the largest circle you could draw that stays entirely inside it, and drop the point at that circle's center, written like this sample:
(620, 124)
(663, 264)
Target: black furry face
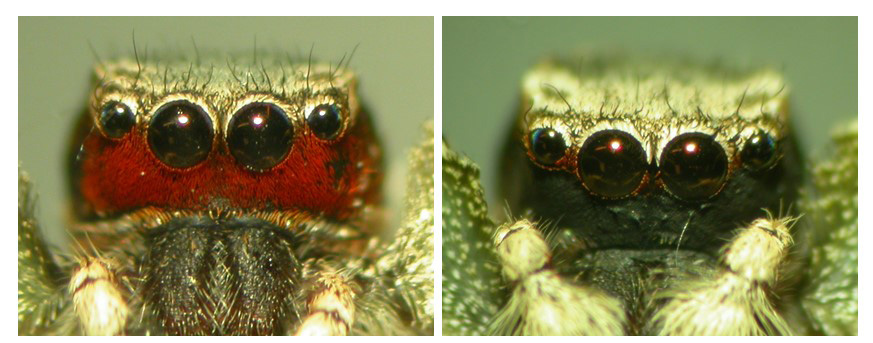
(653, 218)
(662, 166)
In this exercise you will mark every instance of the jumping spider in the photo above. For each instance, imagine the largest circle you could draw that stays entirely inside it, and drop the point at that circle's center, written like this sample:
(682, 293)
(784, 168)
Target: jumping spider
(653, 198)
(226, 196)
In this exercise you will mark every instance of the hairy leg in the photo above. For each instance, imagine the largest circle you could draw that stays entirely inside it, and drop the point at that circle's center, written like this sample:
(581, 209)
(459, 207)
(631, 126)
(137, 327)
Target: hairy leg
(43, 305)
(331, 305)
(543, 303)
(738, 300)
(98, 298)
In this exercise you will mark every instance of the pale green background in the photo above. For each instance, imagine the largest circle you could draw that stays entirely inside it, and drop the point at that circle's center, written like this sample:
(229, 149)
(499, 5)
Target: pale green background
(484, 58)
(394, 62)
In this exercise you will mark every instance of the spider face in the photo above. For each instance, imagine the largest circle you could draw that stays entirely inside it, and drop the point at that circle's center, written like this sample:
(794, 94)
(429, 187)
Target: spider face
(629, 157)
(644, 190)
(217, 196)
(215, 141)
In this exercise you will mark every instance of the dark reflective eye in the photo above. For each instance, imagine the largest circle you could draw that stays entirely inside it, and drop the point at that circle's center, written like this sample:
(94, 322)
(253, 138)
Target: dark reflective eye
(259, 136)
(116, 119)
(547, 145)
(325, 121)
(694, 166)
(612, 163)
(759, 152)
(180, 134)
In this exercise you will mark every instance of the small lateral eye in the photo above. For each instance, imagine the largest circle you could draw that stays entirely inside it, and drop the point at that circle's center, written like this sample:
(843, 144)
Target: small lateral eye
(759, 152)
(694, 166)
(180, 134)
(612, 163)
(260, 136)
(116, 119)
(547, 145)
(325, 121)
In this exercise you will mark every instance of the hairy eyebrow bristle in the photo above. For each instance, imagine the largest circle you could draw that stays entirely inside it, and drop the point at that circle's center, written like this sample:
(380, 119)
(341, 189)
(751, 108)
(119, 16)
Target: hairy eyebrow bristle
(195, 70)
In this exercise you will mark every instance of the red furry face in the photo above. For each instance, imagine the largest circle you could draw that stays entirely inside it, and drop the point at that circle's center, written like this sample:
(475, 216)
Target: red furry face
(309, 151)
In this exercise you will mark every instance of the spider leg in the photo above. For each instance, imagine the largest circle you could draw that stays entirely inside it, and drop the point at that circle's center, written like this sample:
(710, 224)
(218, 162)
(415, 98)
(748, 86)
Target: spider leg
(405, 270)
(98, 297)
(830, 298)
(542, 302)
(737, 301)
(43, 306)
(331, 306)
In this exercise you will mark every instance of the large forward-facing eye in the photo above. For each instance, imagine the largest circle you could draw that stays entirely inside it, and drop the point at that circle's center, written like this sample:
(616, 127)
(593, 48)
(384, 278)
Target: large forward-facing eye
(116, 119)
(180, 134)
(547, 146)
(759, 152)
(260, 136)
(325, 121)
(694, 166)
(612, 163)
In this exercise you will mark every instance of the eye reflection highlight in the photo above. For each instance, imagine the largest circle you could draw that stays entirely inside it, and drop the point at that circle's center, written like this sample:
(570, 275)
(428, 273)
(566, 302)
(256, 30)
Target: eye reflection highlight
(615, 146)
(691, 148)
(183, 120)
(258, 121)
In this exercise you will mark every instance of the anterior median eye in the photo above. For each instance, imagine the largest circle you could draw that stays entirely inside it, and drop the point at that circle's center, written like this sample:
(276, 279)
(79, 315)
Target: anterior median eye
(116, 119)
(260, 136)
(180, 134)
(547, 145)
(325, 121)
(694, 166)
(612, 163)
(759, 152)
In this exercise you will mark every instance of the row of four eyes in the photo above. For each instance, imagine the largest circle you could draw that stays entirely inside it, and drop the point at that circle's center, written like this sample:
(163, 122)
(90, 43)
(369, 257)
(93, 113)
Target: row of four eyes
(612, 163)
(180, 133)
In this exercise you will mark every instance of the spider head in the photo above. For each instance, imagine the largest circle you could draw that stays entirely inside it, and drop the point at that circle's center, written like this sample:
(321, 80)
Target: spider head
(214, 135)
(644, 159)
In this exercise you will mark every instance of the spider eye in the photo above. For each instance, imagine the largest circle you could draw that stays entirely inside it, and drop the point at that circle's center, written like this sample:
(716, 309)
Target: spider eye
(325, 121)
(547, 145)
(759, 152)
(694, 166)
(259, 136)
(117, 119)
(612, 163)
(180, 134)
